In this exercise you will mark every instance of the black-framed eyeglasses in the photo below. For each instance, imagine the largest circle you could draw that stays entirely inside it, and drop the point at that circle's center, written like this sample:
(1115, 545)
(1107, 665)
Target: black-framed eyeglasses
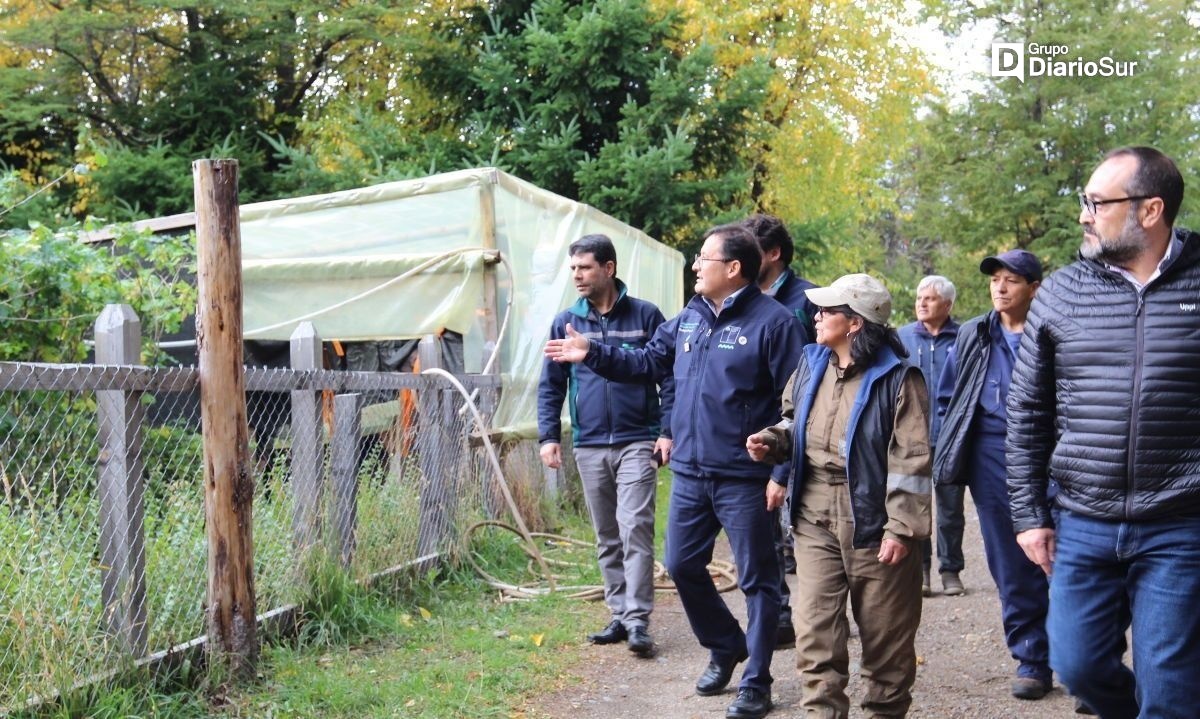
(834, 311)
(1086, 203)
(699, 258)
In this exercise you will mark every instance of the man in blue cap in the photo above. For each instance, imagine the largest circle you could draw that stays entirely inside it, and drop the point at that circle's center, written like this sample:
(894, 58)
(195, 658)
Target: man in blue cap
(971, 397)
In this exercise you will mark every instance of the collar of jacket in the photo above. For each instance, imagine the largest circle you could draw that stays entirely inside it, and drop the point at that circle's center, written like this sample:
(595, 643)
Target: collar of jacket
(748, 294)
(583, 308)
(1189, 255)
(818, 359)
(950, 329)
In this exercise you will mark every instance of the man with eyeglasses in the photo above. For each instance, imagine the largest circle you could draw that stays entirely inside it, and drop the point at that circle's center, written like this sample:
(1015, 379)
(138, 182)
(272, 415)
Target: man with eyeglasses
(971, 398)
(1105, 404)
(731, 351)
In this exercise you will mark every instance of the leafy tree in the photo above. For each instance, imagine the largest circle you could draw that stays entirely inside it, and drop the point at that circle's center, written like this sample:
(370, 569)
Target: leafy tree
(841, 103)
(153, 85)
(603, 102)
(1003, 169)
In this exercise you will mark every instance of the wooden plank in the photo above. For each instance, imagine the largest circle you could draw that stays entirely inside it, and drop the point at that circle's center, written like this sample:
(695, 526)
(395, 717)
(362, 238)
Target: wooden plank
(344, 469)
(120, 485)
(307, 447)
(28, 376)
(433, 446)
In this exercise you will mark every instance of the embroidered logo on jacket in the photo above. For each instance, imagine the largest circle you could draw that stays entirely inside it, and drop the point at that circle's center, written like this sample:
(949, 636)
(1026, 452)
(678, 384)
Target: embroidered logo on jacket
(729, 336)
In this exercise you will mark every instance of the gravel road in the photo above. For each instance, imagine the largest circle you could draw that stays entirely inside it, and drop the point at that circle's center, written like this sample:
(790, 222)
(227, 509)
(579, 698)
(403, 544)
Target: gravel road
(964, 669)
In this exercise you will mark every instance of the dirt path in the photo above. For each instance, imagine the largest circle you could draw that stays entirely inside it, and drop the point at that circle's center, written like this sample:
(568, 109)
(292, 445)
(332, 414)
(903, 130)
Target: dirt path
(964, 672)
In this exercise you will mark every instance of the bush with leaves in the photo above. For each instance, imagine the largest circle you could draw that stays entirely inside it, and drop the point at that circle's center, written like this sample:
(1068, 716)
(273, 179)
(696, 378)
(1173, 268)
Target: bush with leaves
(54, 286)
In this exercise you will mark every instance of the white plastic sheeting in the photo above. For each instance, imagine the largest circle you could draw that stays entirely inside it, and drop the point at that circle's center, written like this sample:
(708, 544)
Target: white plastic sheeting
(405, 259)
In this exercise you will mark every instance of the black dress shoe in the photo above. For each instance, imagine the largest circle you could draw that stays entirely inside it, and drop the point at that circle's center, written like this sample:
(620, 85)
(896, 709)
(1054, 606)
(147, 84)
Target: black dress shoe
(640, 642)
(750, 704)
(717, 674)
(613, 633)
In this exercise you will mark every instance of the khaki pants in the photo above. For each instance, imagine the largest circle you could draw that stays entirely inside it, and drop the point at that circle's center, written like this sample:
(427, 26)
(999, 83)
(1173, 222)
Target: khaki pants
(885, 600)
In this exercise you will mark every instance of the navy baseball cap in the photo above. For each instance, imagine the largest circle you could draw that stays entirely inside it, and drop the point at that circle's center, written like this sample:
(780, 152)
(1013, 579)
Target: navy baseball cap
(1021, 262)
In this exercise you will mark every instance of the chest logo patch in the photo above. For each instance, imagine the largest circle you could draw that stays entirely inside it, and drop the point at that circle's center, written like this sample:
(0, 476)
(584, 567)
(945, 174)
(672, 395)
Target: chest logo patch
(729, 336)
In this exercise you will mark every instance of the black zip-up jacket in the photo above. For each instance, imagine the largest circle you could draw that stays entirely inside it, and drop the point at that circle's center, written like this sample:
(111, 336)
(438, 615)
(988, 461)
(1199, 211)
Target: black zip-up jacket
(956, 411)
(1105, 397)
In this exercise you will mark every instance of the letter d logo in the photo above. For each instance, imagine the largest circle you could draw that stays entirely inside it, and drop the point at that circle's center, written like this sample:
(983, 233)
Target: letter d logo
(1008, 60)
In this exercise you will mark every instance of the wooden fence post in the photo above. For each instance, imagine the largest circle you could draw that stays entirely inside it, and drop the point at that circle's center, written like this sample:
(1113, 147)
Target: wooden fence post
(347, 433)
(228, 468)
(120, 484)
(433, 523)
(308, 443)
(488, 398)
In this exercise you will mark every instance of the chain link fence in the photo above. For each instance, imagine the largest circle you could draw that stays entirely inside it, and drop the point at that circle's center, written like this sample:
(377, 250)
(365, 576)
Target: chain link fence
(102, 538)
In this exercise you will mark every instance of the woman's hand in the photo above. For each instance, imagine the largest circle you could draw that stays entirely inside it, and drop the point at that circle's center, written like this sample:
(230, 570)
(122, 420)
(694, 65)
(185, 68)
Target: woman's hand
(892, 551)
(775, 495)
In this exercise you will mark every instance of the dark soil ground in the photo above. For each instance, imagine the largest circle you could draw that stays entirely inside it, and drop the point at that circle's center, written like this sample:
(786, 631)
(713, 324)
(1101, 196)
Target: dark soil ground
(964, 668)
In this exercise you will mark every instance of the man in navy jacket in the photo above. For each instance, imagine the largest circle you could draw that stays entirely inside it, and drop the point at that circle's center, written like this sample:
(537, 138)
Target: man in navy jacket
(614, 430)
(731, 352)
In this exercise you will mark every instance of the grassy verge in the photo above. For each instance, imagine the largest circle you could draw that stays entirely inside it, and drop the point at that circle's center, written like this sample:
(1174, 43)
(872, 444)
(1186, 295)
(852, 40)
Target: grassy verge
(442, 646)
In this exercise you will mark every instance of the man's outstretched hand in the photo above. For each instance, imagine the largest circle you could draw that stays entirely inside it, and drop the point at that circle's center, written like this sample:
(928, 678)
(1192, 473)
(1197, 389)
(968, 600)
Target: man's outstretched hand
(572, 348)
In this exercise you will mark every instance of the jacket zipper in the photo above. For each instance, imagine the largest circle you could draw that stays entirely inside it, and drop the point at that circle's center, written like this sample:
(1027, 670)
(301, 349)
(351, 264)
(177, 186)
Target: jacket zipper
(1131, 445)
(607, 385)
(702, 355)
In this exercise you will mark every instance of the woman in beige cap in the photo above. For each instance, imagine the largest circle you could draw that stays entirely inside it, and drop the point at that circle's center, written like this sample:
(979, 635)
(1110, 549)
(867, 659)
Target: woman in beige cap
(855, 425)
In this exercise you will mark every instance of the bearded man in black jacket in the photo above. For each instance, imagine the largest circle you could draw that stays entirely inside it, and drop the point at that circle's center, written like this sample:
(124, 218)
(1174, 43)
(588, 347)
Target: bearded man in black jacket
(1104, 407)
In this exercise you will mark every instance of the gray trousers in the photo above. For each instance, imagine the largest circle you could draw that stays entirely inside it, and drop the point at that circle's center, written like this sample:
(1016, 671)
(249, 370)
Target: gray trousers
(619, 485)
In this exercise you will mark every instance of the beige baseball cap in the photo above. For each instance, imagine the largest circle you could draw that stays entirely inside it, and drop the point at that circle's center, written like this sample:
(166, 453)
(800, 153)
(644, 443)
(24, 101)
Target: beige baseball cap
(860, 292)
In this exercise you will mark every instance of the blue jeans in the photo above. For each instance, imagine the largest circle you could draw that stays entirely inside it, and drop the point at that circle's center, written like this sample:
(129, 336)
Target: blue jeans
(699, 509)
(1108, 575)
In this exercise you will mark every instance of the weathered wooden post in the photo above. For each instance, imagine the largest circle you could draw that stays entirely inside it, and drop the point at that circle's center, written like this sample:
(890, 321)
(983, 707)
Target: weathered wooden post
(228, 468)
(487, 225)
(308, 442)
(347, 433)
(121, 487)
(433, 522)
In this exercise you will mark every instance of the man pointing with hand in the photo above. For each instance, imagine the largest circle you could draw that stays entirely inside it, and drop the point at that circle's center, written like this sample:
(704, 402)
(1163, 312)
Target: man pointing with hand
(730, 352)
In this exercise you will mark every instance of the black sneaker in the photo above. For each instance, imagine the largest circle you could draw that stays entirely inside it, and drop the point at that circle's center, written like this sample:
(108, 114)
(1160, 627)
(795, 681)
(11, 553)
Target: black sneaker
(1083, 708)
(640, 642)
(613, 633)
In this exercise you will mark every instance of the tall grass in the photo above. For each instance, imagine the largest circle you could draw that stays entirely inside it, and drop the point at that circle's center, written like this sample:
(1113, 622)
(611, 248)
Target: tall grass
(52, 628)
